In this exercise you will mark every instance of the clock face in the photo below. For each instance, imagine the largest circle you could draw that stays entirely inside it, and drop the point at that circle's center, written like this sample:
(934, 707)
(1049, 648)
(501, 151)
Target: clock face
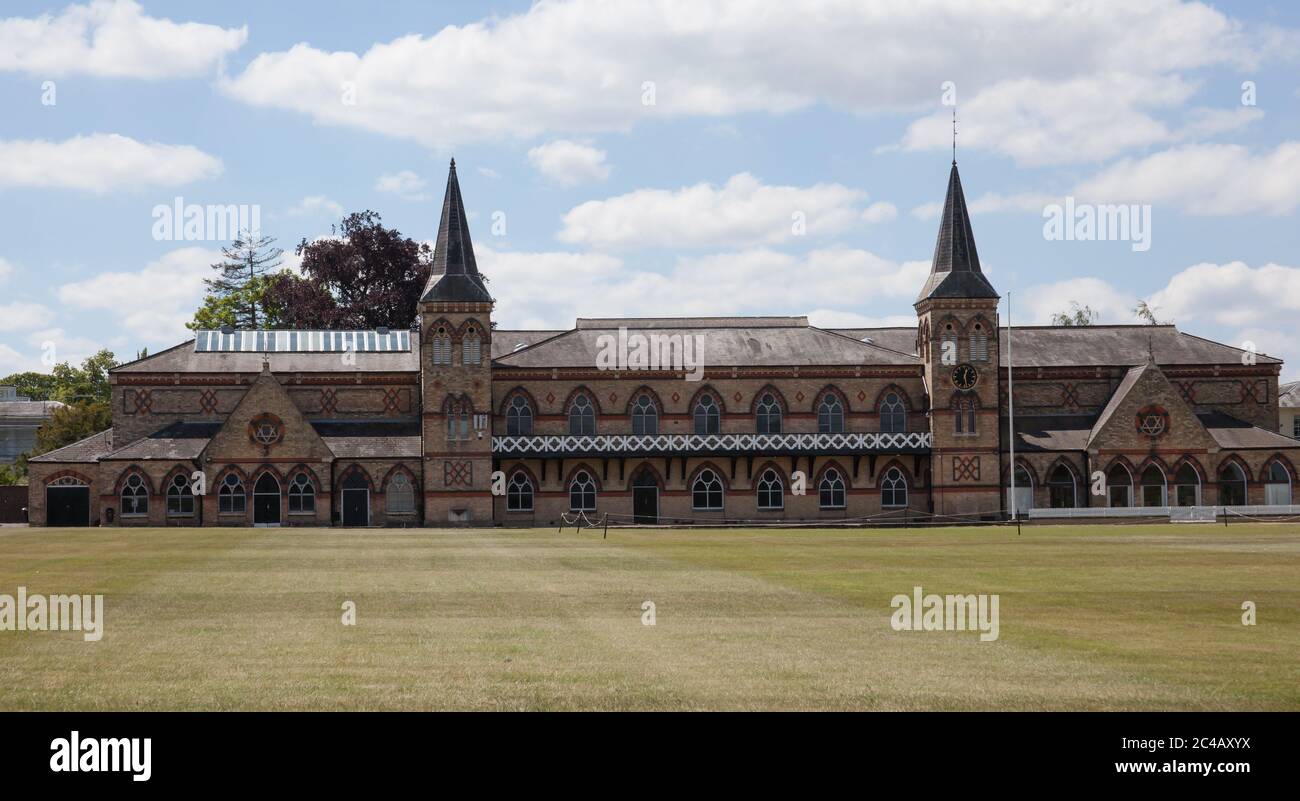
(964, 376)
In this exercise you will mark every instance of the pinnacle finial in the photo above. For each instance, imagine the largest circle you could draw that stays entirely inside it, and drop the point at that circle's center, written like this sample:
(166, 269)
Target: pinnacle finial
(954, 135)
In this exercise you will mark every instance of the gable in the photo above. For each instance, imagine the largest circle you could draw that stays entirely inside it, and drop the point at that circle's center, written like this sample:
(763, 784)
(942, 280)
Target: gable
(1166, 418)
(266, 402)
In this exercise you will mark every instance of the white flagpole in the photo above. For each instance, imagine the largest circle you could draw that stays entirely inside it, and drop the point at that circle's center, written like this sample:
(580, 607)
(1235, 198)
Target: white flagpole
(1011, 410)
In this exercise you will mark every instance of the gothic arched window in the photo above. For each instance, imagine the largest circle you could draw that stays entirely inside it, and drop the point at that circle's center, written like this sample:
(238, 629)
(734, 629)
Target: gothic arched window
(771, 492)
(645, 416)
(893, 415)
(135, 496)
(519, 493)
(582, 492)
(708, 418)
(831, 489)
(582, 416)
(706, 491)
(769, 414)
(830, 415)
(180, 496)
(519, 417)
(302, 494)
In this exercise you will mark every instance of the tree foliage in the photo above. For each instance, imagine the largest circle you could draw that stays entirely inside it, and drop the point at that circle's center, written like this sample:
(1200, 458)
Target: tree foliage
(1076, 316)
(365, 276)
(237, 295)
(1146, 313)
(87, 394)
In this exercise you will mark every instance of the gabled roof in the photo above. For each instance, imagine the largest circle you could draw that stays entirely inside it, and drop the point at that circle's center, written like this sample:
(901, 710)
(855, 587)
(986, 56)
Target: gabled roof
(183, 358)
(1114, 345)
(454, 276)
(955, 271)
(1231, 433)
(1289, 395)
(1121, 393)
(89, 449)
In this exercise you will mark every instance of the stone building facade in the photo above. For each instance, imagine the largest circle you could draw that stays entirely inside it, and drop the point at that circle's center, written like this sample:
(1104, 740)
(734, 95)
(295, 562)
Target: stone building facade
(681, 420)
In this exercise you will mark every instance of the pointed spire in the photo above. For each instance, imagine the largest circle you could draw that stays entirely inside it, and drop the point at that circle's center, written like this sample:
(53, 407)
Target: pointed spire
(454, 276)
(955, 272)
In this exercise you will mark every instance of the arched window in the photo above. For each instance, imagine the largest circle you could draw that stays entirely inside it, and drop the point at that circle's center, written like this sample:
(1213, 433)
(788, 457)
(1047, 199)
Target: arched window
(831, 489)
(830, 415)
(771, 492)
(519, 417)
(459, 411)
(1187, 486)
(963, 415)
(1119, 487)
(582, 493)
(893, 415)
(231, 496)
(1024, 497)
(1277, 485)
(302, 494)
(645, 417)
(470, 347)
(582, 416)
(1232, 485)
(706, 491)
(135, 496)
(769, 414)
(948, 344)
(708, 418)
(180, 496)
(401, 494)
(519, 493)
(979, 343)
(893, 489)
(1153, 487)
(440, 346)
(1061, 488)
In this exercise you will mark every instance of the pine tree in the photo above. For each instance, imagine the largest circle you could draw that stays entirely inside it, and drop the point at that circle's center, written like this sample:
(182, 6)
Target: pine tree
(246, 261)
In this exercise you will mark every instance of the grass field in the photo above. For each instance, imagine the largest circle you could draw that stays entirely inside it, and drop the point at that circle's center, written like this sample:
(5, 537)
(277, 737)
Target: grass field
(1106, 617)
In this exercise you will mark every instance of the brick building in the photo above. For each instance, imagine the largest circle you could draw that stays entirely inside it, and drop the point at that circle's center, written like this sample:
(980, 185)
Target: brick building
(673, 420)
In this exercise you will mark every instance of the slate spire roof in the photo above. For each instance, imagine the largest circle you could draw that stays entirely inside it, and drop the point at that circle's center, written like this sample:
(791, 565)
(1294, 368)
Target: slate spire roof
(955, 272)
(455, 275)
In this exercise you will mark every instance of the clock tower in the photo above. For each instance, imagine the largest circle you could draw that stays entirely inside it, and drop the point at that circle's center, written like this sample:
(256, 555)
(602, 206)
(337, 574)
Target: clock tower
(957, 340)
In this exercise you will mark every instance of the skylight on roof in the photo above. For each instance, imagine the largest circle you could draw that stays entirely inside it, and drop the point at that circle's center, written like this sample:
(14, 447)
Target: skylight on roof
(207, 341)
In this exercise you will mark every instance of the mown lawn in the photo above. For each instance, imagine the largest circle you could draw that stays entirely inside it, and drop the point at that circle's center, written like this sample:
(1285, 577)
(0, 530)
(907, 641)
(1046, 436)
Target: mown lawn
(1132, 617)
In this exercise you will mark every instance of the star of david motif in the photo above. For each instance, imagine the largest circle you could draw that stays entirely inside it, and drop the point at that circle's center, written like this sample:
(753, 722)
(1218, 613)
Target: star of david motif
(265, 430)
(1153, 421)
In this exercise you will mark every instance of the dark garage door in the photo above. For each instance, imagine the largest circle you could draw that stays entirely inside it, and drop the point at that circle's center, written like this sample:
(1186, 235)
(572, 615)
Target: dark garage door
(67, 506)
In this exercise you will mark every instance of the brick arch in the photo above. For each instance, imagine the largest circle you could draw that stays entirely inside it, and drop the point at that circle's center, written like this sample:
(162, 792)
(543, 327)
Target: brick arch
(581, 467)
(1281, 459)
(722, 476)
(582, 389)
(1196, 468)
(1073, 469)
(1240, 462)
(55, 476)
(902, 468)
(394, 470)
(902, 396)
(770, 465)
(293, 472)
(1159, 463)
(428, 333)
(941, 325)
(987, 325)
(520, 466)
(962, 396)
(1029, 468)
(651, 469)
(463, 328)
(127, 472)
(830, 389)
(355, 468)
(510, 396)
(177, 470)
(644, 389)
(237, 470)
(1123, 461)
(279, 479)
(845, 475)
(776, 393)
(707, 389)
(454, 397)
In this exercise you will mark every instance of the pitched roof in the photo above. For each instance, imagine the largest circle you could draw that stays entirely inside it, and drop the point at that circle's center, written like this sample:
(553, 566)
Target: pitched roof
(955, 271)
(87, 450)
(1289, 395)
(36, 410)
(726, 342)
(1111, 345)
(1230, 432)
(454, 276)
(184, 359)
(1121, 392)
(375, 447)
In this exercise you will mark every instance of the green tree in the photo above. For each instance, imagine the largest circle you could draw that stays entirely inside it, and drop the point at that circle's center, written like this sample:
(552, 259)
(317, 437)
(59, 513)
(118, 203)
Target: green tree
(71, 423)
(239, 289)
(230, 309)
(1146, 313)
(1076, 316)
(86, 383)
(37, 386)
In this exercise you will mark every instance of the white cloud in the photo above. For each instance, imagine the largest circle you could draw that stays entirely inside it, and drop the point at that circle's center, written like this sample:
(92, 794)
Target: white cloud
(101, 162)
(1037, 304)
(6, 270)
(404, 183)
(880, 212)
(313, 206)
(113, 39)
(153, 304)
(22, 316)
(600, 285)
(1205, 179)
(581, 66)
(569, 163)
(488, 172)
(835, 318)
(742, 212)
(991, 203)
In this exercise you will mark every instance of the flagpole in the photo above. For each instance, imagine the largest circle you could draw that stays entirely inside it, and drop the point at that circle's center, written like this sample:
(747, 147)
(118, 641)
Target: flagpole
(1011, 410)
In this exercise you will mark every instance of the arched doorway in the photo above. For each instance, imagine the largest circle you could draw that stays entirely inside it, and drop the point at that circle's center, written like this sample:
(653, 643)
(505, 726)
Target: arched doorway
(1154, 492)
(266, 501)
(356, 499)
(1119, 487)
(1277, 486)
(1024, 500)
(645, 496)
(1187, 486)
(1232, 485)
(67, 502)
(1060, 488)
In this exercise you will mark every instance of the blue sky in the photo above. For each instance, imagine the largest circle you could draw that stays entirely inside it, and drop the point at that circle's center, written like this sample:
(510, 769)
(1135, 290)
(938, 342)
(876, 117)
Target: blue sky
(827, 113)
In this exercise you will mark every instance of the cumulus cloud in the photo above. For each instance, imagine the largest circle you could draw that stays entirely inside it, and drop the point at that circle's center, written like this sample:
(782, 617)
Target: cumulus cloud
(601, 285)
(100, 163)
(569, 163)
(21, 316)
(114, 39)
(1037, 304)
(172, 285)
(742, 212)
(1206, 179)
(586, 66)
(315, 206)
(404, 183)
(880, 212)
